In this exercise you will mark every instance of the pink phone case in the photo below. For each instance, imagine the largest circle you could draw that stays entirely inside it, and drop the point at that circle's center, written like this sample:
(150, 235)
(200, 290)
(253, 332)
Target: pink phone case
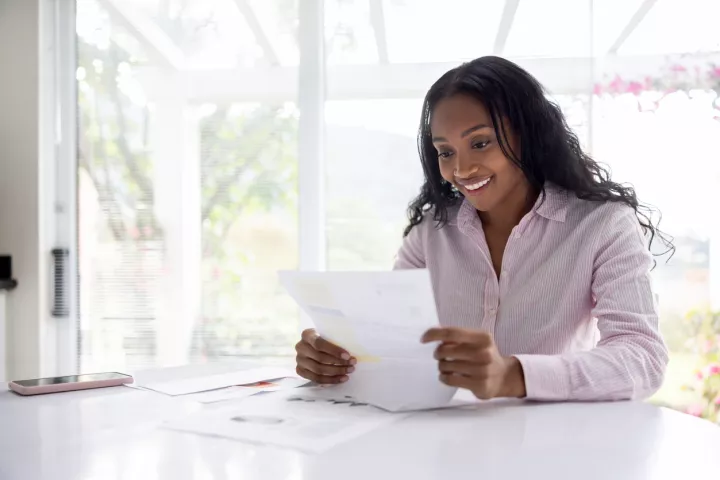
(69, 387)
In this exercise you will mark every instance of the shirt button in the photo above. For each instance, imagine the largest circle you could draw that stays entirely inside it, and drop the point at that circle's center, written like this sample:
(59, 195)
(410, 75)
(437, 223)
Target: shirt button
(518, 234)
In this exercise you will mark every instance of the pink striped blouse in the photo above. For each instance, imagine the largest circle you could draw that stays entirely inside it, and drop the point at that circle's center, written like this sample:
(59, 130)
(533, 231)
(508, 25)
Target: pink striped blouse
(574, 302)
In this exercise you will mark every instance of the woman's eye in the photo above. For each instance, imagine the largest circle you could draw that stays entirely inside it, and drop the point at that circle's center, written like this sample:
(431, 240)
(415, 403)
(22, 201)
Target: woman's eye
(480, 145)
(444, 154)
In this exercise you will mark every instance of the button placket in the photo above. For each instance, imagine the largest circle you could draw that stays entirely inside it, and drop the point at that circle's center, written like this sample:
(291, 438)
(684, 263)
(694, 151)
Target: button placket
(492, 294)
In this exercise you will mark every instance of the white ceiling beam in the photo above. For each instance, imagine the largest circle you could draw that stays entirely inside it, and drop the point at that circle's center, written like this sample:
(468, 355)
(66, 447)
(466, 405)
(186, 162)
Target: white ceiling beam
(377, 19)
(635, 20)
(160, 48)
(260, 36)
(506, 21)
(358, 82)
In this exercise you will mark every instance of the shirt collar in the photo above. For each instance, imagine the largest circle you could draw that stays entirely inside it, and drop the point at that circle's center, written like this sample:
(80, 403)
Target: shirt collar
(553, 206)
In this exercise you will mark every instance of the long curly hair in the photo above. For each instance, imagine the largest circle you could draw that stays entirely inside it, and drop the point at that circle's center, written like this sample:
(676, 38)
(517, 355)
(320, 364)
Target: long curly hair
(551, 152)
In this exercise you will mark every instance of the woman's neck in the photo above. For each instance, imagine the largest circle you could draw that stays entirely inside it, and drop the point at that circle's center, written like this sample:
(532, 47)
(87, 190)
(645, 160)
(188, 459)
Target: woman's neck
(512, 209)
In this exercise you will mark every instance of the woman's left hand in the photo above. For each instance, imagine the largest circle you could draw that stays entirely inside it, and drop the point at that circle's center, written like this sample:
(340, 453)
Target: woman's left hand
(469, 359)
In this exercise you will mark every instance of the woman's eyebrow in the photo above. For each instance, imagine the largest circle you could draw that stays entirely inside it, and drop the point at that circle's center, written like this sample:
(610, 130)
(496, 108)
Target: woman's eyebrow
(467, 132)
(474, 129)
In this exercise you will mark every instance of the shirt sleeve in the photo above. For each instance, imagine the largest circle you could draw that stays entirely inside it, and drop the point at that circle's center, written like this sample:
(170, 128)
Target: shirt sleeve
(411, 254)
(630, 359)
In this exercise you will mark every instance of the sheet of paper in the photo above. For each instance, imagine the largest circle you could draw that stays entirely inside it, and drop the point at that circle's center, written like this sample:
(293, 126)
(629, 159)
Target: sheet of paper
(379, 317)
(238, 393)
(462, 398)
(280, 419)
(214, 382)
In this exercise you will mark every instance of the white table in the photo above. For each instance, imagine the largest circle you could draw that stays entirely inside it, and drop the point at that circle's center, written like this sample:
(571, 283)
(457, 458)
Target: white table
(112, 434)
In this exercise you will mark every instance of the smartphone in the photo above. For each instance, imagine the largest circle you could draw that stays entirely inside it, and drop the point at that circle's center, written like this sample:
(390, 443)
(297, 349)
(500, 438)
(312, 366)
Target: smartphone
(69, 383)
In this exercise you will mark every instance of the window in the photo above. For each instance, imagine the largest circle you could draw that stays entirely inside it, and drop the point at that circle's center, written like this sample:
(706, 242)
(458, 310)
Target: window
(187, 200)
(189, 178)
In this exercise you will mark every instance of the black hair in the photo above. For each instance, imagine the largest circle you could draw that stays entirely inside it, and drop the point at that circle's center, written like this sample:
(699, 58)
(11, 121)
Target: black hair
(551, 152)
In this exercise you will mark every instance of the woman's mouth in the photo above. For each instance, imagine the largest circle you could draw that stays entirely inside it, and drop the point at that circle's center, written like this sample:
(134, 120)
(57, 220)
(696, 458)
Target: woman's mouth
(477, 187)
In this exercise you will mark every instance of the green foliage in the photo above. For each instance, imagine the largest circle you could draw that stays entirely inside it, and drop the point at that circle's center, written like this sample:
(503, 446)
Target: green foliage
(706, 344)
(112, 143)
(247, 164)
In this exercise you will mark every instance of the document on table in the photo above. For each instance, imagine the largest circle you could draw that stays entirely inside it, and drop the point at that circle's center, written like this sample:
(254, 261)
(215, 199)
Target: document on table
(214, 382)
(285, 420)
(379, 317)
(237, 393)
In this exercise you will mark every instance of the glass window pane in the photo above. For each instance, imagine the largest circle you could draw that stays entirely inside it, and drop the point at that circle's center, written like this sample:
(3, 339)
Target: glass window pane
(550, 28)
(373, 171)
(610, 17)
(672, 26)
(187, 209)
(448, 31)
(349, 33)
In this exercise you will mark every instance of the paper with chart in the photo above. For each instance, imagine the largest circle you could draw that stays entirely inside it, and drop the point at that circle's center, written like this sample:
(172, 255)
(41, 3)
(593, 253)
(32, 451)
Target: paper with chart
(379, 317)
(187, 386)
(285, 420)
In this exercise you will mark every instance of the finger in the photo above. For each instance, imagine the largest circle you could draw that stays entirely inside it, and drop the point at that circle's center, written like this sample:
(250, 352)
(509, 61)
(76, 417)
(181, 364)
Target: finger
(459, 367)
(323, 369)
(319, 379)
(460, 381)
(306, 350)
(463, 351)
(309, 335)
(457, 335)
(330, 348)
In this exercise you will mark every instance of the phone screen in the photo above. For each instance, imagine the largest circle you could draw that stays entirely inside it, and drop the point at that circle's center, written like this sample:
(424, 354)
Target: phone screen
(89, 377)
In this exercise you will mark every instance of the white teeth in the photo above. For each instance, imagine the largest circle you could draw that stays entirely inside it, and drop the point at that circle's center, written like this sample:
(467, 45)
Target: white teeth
(475, 186)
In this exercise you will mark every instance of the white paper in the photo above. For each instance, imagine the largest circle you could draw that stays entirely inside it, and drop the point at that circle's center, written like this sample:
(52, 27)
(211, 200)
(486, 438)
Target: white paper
(214, 382)
(379, 317)
(462, 398)
(280, 419)
(238, 393)
(221, 395)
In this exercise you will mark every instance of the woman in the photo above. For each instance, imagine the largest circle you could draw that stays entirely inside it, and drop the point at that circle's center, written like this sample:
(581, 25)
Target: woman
(532, 251)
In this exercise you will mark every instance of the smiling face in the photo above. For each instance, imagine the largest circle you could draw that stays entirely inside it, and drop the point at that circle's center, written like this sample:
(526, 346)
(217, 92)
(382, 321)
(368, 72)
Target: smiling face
(470, 157)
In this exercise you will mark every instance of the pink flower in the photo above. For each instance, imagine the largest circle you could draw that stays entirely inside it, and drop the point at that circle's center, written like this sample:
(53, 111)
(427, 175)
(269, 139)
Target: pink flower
(717, 400)
(617, 84)
(678, 68)
(699, 375)
(635, 87)
(715, 72)
(695, 410)
(597, 89)
(713, 369)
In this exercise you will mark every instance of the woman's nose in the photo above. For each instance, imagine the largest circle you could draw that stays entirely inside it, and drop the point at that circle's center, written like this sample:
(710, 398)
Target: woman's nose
(463, 169)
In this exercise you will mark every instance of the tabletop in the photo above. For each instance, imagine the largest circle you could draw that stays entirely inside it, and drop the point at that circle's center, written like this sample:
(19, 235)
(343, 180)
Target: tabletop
(114, 434)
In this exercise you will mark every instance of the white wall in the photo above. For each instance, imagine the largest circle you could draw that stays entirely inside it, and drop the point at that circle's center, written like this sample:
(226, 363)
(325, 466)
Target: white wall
(21, 183)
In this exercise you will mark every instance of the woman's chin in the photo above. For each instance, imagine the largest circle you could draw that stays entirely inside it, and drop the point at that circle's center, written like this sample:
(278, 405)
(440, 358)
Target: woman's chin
(481, 205)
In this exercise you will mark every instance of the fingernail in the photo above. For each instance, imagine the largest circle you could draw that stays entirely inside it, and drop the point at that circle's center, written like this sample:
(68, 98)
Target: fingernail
(350, 369)
(343, 379)
(353, 361)
(345, 356)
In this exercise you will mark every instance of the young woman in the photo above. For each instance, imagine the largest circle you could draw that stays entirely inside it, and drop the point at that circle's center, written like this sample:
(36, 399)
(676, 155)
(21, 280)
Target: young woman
(533, 251)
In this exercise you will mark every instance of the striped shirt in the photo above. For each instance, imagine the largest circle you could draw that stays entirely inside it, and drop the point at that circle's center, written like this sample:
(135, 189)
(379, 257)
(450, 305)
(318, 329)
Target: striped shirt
(574, 302)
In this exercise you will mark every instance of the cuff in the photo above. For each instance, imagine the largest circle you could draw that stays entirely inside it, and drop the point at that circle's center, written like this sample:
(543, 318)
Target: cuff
(546, 377)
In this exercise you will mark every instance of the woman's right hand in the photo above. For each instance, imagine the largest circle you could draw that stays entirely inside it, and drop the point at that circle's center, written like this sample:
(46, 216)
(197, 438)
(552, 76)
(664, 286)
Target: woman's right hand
(321, 361)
